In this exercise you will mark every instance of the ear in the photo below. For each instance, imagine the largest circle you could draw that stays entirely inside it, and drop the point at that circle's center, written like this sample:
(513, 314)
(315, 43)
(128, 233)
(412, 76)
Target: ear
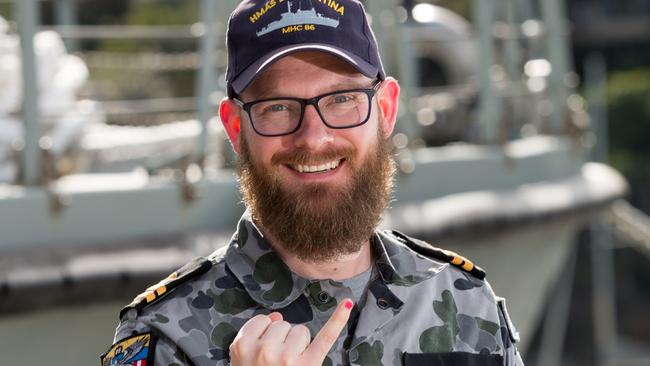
(230, 114)
(388, 97)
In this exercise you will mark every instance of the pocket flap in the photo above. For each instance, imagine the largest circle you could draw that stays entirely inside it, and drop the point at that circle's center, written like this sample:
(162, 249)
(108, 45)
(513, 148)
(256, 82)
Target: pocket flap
(451, 359)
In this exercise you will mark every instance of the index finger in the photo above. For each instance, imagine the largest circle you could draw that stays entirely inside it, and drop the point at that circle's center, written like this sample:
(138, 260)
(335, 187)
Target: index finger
(325, 339)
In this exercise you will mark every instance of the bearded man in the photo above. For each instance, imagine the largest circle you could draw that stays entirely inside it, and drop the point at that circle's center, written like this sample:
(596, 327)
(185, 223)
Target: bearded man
(307, 278)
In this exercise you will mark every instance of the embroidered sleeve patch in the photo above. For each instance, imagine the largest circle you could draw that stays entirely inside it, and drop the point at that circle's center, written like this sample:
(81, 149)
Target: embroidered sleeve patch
(136, 350)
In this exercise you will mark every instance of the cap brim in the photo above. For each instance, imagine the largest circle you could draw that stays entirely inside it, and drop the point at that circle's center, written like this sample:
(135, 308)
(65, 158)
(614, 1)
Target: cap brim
(243, 80)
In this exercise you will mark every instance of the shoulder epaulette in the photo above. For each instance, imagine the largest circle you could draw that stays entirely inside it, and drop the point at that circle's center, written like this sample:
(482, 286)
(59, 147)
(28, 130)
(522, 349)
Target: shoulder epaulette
(196, 267)
(428, 250)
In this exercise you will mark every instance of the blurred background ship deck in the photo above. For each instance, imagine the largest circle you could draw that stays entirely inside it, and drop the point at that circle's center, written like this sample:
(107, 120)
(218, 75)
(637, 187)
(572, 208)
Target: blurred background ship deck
(114, 170)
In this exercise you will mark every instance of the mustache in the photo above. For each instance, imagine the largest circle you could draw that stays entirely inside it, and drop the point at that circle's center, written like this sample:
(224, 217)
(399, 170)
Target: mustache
(304, 157)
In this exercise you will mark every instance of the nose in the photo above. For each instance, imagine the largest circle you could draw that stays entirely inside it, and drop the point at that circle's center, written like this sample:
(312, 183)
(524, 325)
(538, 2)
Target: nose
(313, 134)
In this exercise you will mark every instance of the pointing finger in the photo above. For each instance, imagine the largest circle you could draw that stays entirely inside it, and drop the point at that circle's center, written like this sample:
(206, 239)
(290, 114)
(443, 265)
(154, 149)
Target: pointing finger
(328, 335)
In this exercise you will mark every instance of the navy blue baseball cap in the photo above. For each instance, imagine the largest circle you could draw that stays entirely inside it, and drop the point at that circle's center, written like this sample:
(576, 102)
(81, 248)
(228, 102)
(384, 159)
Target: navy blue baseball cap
(261, 32)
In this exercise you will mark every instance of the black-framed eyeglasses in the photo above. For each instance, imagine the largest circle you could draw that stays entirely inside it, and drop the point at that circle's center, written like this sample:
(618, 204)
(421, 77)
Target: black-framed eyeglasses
(283, 116)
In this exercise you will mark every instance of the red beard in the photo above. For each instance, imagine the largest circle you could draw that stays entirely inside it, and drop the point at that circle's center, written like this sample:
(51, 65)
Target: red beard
(317, 221)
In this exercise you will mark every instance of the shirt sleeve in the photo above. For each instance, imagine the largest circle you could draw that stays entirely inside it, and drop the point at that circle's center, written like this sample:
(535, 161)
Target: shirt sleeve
(168, 354)
(513, 357)
(163, 350)
(510, 336)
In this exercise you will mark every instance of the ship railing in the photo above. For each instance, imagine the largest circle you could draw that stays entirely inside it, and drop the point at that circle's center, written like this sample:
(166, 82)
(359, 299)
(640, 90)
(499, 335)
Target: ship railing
(631, 224)
(206, 31)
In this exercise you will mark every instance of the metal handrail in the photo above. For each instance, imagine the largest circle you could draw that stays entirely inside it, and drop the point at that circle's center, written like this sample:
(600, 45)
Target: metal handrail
(153, 32)
(157, 105)
(27, 20)
(179, 61)
(631, 224)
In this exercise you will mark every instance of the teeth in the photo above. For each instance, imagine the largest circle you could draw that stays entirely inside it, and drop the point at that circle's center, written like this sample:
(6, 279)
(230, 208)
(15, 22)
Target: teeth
(317, 168)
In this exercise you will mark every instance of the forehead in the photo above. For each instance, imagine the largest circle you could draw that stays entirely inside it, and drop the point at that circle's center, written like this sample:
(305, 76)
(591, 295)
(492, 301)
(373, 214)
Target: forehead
(317, 72)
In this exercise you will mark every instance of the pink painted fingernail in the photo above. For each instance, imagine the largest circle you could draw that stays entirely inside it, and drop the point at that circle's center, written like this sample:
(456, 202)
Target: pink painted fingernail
(348, 304)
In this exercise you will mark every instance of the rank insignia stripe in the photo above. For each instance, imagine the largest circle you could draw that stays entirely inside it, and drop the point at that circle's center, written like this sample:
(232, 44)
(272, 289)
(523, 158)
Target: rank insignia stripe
(430, 251)
(456, 260)
(193, 269)
(136, 350)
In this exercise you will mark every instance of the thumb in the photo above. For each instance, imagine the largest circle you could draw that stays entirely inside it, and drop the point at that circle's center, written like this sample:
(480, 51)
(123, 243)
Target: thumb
(325, 339)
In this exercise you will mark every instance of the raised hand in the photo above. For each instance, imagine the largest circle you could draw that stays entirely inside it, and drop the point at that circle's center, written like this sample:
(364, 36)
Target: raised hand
(268, 340)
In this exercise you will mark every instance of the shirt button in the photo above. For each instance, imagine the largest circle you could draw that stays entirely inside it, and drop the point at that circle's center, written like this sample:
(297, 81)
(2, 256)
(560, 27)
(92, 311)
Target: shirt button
(382, 303)
(323, 297)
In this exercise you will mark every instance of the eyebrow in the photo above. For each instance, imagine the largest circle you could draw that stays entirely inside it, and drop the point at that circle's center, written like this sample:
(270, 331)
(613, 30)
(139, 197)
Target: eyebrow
(344, 85)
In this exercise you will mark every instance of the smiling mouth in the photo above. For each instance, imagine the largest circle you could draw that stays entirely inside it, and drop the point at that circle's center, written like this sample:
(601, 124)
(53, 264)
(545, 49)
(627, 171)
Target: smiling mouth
(320, 168)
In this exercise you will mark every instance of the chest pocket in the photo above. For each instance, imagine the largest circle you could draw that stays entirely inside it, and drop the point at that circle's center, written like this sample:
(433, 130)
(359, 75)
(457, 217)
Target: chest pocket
(451, 359)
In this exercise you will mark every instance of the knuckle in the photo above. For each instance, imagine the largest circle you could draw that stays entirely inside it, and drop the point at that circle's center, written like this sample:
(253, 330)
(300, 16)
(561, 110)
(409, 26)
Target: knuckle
(241, 345)
(267, 354)
(235, 348)
(279, 326)
(286, 360)
(234, 351)
(302, 330)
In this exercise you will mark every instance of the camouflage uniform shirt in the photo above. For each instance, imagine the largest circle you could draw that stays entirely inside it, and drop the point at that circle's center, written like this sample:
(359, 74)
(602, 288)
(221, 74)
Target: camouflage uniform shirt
(417, 311)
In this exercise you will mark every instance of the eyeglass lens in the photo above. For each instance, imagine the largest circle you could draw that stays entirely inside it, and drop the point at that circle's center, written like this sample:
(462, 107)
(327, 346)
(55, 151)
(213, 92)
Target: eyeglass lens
(339, 110)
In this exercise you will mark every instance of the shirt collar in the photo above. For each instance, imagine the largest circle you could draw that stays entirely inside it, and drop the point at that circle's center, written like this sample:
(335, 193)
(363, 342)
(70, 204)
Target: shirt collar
(270, 282)
(400, 266)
